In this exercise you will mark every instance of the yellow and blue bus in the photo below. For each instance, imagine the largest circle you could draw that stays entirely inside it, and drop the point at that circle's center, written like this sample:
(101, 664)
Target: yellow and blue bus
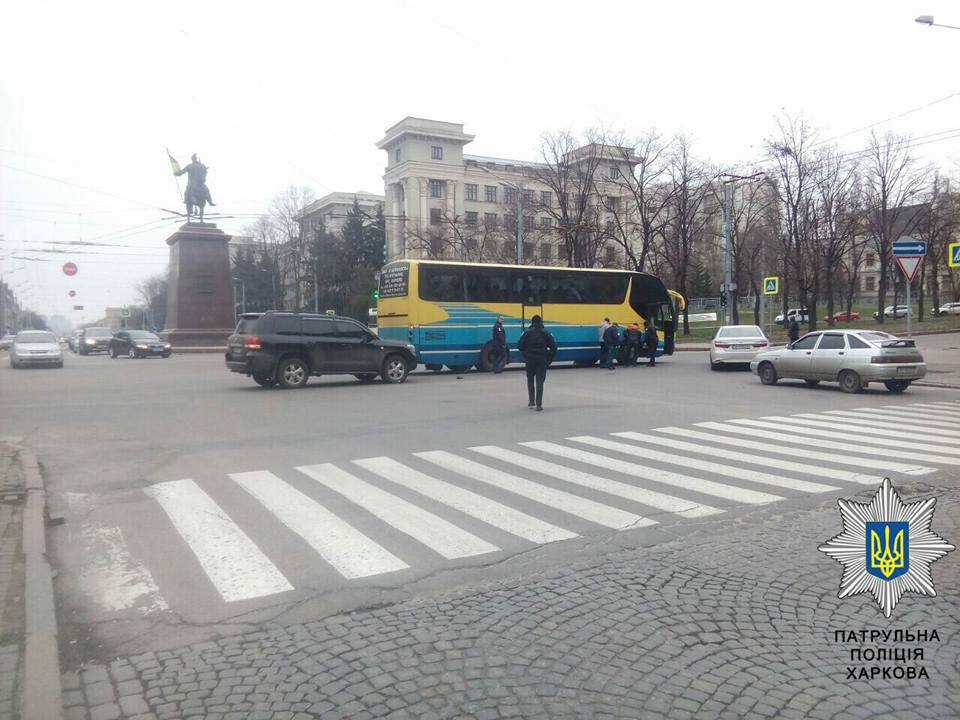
(447, 309)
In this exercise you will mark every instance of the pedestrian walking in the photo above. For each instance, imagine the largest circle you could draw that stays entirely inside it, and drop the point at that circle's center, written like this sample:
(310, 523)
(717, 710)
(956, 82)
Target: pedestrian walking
(793, 329)
(603, 343)
(500, 352)
(633, 343)
(538, 347)
(611, 338)
(651, 341)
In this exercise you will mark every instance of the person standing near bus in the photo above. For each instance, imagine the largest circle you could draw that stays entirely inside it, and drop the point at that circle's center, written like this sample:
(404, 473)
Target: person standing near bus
(537, 346)
(651, 341)
(611, 339)
(500, 352)
(603, 343)
(632, 343)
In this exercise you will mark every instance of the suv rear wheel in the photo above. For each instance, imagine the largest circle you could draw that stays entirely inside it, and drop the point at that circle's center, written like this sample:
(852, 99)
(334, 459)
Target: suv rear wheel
(293, 373)
(265, 380)
(394, 369)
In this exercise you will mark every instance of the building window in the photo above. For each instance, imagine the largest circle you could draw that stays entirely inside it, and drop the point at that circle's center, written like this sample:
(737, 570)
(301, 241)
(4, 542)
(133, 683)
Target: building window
(613, 203)
(527, 223)
(471, 218)
(609, 228)
(528, 251)
(610, 255)
(871, 283)
(434, 216)
(529, 198)
(436, 188)
(510, 223)
(546, 223)
(545, 251)
(562, 252)
(546, 198)
(614, 172)
(564, 199)
(470, 244)
(471, 191)
(510, 196)
(436, 152)
(490, 220)
(490, 193)
(396, 155)
(871, 259)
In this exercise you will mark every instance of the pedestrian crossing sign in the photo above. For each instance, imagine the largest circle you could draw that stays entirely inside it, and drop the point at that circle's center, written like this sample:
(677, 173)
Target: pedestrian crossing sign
(771, 285)
(953, 254)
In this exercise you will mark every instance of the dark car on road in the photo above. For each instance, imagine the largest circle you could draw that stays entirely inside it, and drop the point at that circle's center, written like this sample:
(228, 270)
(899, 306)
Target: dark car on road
(282, 348)
(138, 343)
(94, 339)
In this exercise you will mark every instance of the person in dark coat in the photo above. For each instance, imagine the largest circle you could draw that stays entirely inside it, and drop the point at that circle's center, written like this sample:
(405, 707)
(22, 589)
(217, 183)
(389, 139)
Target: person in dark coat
(500, 352)
(611, 339)
(793, 329)
(538, 347)
(651, 341)
(632, 343)
(603, 343)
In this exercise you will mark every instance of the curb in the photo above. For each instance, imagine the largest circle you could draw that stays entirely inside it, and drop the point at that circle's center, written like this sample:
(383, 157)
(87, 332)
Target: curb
(42, 696)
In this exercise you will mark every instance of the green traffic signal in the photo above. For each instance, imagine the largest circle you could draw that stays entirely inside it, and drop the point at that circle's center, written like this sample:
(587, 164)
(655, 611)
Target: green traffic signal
(376, 294)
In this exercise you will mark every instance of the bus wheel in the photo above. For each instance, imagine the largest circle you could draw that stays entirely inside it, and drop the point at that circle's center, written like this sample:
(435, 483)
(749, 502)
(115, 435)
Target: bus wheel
(433, 367)
(486, 357)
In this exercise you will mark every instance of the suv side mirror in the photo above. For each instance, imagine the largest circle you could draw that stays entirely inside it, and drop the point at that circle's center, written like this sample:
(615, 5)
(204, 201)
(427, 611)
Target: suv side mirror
(367, 337)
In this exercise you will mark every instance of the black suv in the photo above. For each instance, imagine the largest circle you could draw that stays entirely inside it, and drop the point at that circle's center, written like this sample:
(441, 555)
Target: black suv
(287, 348)
(94, 339)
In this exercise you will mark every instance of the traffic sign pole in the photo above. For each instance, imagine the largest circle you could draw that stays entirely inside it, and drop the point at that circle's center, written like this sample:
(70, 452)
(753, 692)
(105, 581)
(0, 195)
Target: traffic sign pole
(909, 313)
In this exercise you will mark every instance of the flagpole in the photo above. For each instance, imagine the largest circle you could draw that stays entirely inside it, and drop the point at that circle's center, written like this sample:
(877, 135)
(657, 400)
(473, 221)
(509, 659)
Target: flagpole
(175, 178)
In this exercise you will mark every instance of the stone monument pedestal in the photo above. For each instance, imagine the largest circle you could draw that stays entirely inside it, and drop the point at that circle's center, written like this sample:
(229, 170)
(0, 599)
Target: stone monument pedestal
(200, 304)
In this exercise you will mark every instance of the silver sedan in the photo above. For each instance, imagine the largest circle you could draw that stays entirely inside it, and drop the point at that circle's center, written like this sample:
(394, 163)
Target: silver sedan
(736, 344)
(35, 347)
(852, 358)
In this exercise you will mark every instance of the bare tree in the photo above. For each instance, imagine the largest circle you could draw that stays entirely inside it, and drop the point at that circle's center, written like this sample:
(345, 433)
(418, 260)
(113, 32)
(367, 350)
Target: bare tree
(940, 222)
(285, 212)
(891, 183)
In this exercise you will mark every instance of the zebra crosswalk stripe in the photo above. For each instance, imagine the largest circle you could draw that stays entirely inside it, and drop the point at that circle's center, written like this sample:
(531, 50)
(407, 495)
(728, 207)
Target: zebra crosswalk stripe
(766, 460)
(952, 411)
(791, 436)
(787, 449)
(470, 503)
(637, 494)
(349, 551)
(591, 510)
(439, 535)
(854, 420)
(947, 415)
(849, 428)
(231, 560)
(711, 467)
(687, 482)
(905, 418)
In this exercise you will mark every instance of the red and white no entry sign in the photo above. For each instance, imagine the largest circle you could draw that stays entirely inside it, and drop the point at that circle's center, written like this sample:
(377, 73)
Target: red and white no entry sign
(69, 269)
(72, 293)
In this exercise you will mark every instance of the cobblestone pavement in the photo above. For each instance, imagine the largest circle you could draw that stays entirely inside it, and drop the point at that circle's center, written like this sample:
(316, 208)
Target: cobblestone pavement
(11, 581)
(734, 619)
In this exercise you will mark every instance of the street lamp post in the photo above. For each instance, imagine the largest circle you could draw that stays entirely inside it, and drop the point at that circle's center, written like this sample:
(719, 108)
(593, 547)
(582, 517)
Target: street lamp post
(928, 21)
(728, 285)
(518, 189)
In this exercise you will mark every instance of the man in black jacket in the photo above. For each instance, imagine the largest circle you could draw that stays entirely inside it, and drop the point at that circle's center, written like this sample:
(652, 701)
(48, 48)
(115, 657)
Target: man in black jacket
(651, 341)
(793, 329)
(611, 337)
(538, 347)
(499, 354)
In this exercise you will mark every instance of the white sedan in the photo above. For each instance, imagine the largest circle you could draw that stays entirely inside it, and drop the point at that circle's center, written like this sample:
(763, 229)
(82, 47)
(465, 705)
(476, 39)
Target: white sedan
(736, 344)
(35, 347)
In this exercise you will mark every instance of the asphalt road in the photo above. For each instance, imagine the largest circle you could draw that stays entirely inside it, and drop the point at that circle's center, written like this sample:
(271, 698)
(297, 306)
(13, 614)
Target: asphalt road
(196, 503)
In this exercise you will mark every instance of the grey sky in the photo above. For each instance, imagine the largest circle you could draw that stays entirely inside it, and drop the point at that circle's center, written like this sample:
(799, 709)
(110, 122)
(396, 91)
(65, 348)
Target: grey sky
(284, 93)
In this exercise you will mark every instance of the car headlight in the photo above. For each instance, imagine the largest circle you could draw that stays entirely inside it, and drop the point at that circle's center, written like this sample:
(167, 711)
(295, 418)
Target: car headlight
(412, 348)
(166, 346)
(90, 341)
(141, 347)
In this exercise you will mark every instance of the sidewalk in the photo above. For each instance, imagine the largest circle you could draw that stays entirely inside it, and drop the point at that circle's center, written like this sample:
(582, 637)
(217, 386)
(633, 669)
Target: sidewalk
(11, 581)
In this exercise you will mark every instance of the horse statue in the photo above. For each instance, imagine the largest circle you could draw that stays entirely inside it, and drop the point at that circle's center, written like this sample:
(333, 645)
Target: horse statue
(197, 194)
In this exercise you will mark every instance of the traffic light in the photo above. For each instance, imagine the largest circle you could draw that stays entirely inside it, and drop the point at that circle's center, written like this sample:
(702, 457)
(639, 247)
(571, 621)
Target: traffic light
(376, 294)
(723, 298)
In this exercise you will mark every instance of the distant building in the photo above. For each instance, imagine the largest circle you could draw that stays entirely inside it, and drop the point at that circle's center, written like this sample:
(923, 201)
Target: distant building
(239, 243)
(332, 210)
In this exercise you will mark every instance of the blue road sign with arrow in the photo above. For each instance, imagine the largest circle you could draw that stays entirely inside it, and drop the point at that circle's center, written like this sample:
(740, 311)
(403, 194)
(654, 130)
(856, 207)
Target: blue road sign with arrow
(909, 247)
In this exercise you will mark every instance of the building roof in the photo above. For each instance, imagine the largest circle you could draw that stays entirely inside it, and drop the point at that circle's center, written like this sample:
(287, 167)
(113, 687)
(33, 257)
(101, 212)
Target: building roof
(423, 126)
(340, 198)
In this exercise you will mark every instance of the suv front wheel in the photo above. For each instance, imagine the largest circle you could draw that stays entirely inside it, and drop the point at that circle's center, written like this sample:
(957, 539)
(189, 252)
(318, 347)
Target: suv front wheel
(394, 369)
(293, 373)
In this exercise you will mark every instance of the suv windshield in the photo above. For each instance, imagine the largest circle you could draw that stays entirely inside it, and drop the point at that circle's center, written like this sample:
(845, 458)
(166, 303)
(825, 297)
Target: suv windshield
(98, 332)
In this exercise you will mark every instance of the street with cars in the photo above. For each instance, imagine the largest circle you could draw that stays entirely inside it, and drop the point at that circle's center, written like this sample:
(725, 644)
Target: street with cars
(234, 516)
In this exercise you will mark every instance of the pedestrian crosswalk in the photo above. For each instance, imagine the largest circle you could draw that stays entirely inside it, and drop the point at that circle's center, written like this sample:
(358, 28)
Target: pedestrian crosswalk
(401, 517)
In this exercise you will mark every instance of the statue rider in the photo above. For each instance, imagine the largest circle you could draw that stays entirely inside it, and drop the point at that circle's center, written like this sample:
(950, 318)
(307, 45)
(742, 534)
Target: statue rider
(197, 189)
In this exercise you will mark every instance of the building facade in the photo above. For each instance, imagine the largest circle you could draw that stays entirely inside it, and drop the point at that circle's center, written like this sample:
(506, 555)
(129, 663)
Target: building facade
(332, 210)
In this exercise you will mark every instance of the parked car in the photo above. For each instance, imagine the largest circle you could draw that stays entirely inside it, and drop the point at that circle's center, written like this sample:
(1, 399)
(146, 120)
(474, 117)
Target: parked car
(893, 311)
(850, 357)
(6, 341)
(35, 347)
(736, 344)
(280, 348)
(799, 313)
(951, 308)
(843, 316)
(94, 339)
(137, 343)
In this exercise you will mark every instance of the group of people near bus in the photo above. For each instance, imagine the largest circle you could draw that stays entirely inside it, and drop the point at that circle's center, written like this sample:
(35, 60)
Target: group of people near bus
(538, 347)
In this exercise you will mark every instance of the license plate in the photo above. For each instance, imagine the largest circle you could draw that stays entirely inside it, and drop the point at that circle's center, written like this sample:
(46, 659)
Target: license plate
(741, 347)
(905, 371)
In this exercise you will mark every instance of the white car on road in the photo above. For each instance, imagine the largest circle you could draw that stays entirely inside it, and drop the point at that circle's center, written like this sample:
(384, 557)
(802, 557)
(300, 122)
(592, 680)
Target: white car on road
(35, 347)
(736, 344)
(951, 308)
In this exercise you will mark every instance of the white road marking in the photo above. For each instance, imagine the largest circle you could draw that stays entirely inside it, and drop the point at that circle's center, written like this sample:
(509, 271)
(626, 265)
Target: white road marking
(707, 487)
(854, 419)
(766, 460)
(233, 562)
(882, 442)
(436, 533)
(951, 403)
(568, 502)
(787, 449)
(791, 436)
(348, 550)
(948, 415)
(470, 503)
(950, 410)
(646, 452)
(653, 499)
(850, 428)
(905, 418)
